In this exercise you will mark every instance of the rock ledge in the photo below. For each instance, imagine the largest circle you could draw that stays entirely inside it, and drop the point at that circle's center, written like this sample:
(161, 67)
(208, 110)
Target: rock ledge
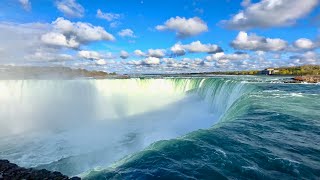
(10, 171)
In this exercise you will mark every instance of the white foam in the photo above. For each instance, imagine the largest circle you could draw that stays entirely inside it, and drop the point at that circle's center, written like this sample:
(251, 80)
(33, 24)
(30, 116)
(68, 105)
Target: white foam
(45, 121)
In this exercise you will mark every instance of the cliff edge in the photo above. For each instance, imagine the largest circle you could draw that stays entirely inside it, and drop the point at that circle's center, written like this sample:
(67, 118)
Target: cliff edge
(10, 171)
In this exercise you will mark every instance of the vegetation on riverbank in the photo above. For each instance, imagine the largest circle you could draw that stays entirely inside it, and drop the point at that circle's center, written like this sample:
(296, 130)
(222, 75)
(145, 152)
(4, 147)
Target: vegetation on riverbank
(300, 70)
(294, 71)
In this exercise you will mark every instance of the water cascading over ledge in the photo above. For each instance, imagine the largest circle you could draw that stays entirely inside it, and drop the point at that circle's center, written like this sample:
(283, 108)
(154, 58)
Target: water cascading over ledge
(76, 121)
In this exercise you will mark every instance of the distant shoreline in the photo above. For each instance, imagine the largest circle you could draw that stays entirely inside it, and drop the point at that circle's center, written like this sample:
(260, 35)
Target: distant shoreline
(34, 72)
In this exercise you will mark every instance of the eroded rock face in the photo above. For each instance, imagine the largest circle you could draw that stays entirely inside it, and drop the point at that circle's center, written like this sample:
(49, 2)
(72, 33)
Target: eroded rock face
(10, 171)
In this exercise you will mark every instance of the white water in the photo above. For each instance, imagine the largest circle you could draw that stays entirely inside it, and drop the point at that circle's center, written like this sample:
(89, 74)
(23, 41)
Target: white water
(89, 123)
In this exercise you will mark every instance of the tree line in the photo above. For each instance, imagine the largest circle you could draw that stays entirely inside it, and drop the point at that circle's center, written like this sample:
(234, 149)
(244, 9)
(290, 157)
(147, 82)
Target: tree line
(297, 70)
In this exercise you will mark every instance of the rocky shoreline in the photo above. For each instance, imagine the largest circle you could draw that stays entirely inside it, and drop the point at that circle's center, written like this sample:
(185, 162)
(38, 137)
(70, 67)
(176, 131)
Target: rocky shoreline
(10, 171)
(307, 79)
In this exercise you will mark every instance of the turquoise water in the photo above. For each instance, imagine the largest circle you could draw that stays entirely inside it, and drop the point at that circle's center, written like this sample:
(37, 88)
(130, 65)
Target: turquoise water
(201, 128)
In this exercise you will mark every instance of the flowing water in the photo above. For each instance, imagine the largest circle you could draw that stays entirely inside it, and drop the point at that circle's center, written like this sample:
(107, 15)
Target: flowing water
(179, 128)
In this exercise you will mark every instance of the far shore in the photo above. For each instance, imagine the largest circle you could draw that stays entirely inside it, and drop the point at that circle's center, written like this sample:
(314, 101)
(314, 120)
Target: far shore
(308, 73)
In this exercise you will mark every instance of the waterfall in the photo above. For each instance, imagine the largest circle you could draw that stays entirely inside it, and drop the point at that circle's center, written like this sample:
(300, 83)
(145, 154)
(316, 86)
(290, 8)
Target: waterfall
(71, 121)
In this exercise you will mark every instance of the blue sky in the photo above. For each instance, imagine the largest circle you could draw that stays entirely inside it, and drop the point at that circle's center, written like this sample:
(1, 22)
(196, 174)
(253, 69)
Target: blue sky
(143, 36)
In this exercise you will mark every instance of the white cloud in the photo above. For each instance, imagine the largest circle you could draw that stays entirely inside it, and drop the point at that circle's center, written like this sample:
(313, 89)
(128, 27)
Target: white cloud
(184, 27)
(230, 57)
(304, 44)
(26, 4)
(70, 8)
(73, 35)
(108, 16)
(58, 39)
(309, 57)
(236, 56)
(124, 54)
(98, 57)
(178, 49)
(101, 62)
(216, 56)
(139, 53)
(185, 63)
(126, 33)
(149, 61)
(257, 43)
(195, 47)
(158, 53)
(43, 55)
(92, 55)
(134, 62)
(24, 43)
(260, 53)
(170, 62)
(20, 40)
(270, 13)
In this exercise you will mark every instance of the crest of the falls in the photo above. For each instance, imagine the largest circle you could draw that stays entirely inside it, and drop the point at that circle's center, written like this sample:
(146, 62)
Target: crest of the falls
(76, 121)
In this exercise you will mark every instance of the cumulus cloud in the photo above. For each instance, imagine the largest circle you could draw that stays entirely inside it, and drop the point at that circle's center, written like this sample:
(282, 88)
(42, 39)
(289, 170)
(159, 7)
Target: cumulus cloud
(270, 13)
(222, 56)
(178, 49)
(195, 47)
(58, 39)
(72, 35)
(26, 4)
(185, 63)
(184, 27)
(304, 44)
(139, 53)
(92, 55)
(23, 44)
(108, 16)
(134, 62)
(124, 54)
(258, 43)
(149, 61)
(158, 53)
(309, 57)
(98, 58)
(170, 62)
(101, 62)
(126, 33)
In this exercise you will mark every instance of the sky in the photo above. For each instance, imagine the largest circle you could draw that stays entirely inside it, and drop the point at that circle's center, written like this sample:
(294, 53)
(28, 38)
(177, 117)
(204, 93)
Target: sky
(149, 36)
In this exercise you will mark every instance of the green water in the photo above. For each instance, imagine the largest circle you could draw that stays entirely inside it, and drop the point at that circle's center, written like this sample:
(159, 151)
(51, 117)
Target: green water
(237, 127)
(271, 133)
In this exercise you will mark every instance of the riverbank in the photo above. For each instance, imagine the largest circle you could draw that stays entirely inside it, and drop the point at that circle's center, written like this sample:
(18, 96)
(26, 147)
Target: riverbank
(9, 171)
(307, 79)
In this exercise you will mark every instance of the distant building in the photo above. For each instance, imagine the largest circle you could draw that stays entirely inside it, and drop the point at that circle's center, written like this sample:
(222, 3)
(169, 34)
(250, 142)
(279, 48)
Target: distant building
(269, 71)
